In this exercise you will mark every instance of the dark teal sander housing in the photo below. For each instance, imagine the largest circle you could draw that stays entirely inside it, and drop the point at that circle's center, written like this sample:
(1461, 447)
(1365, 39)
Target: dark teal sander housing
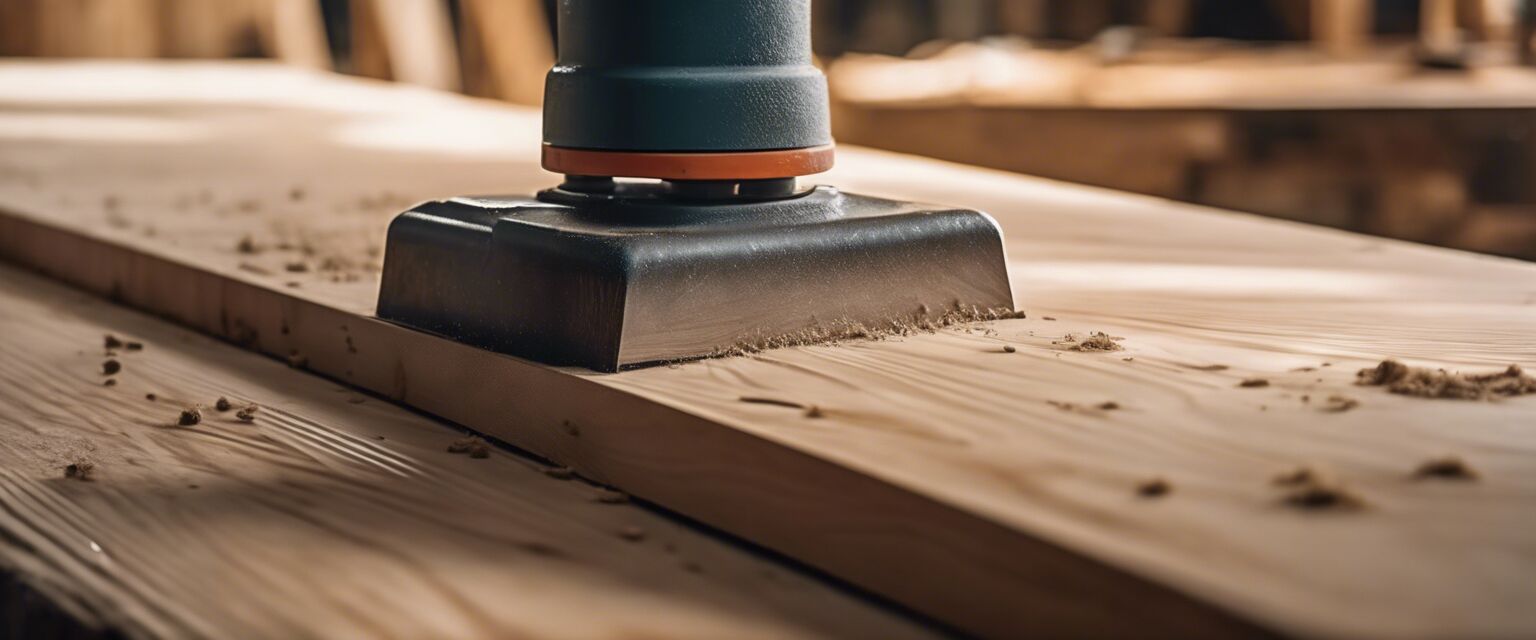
(717, 104)
(685, 75)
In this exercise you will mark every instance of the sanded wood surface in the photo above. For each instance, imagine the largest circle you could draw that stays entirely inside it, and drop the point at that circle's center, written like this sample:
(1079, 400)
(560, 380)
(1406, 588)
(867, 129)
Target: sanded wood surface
(332, 513)
(984, 487)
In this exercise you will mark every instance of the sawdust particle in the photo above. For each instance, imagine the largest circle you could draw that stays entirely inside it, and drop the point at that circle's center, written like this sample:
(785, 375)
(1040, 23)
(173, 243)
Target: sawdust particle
(1447, 468)
(1154, 488)
(189, 416)
(1109, 406)
(111, 342)
(247, 245)
(1339, 404)
(110, 382)
(1438, 383)
(469, 445)
(82, 470)
(298, 266)
(1206, 367)
(222, 404)
(609, 496)
(814, 411)
(133, 346)
(1323, 495)
(1254, 383)
(150, 397)
(247, 414)
(1008, 348)
(111, 367)
(1304, 369)
(1096, 341)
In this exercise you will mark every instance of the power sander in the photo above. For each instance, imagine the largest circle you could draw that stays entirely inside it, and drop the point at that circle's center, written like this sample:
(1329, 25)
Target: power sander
(680, 229)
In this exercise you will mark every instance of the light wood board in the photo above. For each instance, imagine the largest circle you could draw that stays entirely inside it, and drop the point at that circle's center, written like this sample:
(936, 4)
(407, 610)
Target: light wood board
(333, 513)
(941, 475)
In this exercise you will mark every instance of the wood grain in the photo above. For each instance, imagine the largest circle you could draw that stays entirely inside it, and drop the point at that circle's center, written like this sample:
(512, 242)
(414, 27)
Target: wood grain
(333, 514)
(982, 487)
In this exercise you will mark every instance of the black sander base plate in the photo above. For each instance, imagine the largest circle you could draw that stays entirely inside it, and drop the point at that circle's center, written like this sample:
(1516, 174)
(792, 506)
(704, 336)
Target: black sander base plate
(633, 277)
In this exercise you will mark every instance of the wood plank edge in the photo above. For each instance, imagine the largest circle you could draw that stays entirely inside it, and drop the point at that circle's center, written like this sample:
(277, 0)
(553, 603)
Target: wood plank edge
(940, 561)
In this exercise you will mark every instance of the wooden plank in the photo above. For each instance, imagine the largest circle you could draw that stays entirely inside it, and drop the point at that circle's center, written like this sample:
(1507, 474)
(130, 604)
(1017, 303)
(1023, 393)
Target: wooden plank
(332, 513)
(982, 487)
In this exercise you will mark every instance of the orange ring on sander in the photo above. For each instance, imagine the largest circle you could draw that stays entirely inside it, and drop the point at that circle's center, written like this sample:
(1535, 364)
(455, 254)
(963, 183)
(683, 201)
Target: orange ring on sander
(709, 165)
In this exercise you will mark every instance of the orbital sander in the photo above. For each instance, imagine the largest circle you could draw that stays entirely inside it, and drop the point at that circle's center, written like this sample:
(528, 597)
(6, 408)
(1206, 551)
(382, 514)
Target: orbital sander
(681, 229)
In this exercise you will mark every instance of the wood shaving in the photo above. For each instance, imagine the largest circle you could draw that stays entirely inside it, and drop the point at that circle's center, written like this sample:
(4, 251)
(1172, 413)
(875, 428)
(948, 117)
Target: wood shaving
(1254, 383)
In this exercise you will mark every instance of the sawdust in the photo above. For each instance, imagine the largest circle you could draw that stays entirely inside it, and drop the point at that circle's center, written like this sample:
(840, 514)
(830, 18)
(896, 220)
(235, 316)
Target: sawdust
(1338, 404)
(1311, 489)
(1205, 367)
(110, 342)
(1008, 348)
(247, 245)
(1154, 488)
(110, 382)
(1254, 383)
(189, 417)
(82, 470)
(1096, 341)
(298, 266)
(814, 411)
(150, 397)
(247, 414)
(843, 331)
(1108, 406)
(473, 446)
(1447, 468)
(222, 404)
(1438, 383)
(133, 346)
(111, 367)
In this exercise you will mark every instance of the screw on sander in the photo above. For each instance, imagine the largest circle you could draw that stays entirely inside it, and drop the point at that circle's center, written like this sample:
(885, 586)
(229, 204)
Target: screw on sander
(722, 112)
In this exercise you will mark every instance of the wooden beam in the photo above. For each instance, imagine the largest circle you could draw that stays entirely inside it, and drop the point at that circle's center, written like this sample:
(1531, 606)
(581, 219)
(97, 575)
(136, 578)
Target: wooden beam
(999, 491)
(507, 49)
(1342, 27)
(409, 41)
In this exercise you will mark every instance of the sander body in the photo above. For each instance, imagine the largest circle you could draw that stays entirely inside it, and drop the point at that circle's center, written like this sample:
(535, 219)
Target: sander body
(681, 230)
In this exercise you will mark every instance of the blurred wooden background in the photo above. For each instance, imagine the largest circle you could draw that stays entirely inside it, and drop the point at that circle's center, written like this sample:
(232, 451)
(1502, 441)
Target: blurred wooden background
(962, 80)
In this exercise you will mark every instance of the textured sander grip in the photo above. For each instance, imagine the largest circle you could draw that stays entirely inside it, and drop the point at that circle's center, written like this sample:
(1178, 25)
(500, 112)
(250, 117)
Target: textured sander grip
(680, 76)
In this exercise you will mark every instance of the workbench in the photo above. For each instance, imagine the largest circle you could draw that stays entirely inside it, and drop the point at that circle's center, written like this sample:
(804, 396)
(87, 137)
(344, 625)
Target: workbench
(1211, 469)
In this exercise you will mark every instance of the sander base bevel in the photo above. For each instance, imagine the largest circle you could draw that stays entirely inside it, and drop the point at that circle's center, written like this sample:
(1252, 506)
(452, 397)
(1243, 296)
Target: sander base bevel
(611, 281)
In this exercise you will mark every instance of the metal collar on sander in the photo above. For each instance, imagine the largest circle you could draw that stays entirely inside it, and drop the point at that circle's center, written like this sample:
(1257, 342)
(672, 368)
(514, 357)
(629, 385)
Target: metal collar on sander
(719, 104)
